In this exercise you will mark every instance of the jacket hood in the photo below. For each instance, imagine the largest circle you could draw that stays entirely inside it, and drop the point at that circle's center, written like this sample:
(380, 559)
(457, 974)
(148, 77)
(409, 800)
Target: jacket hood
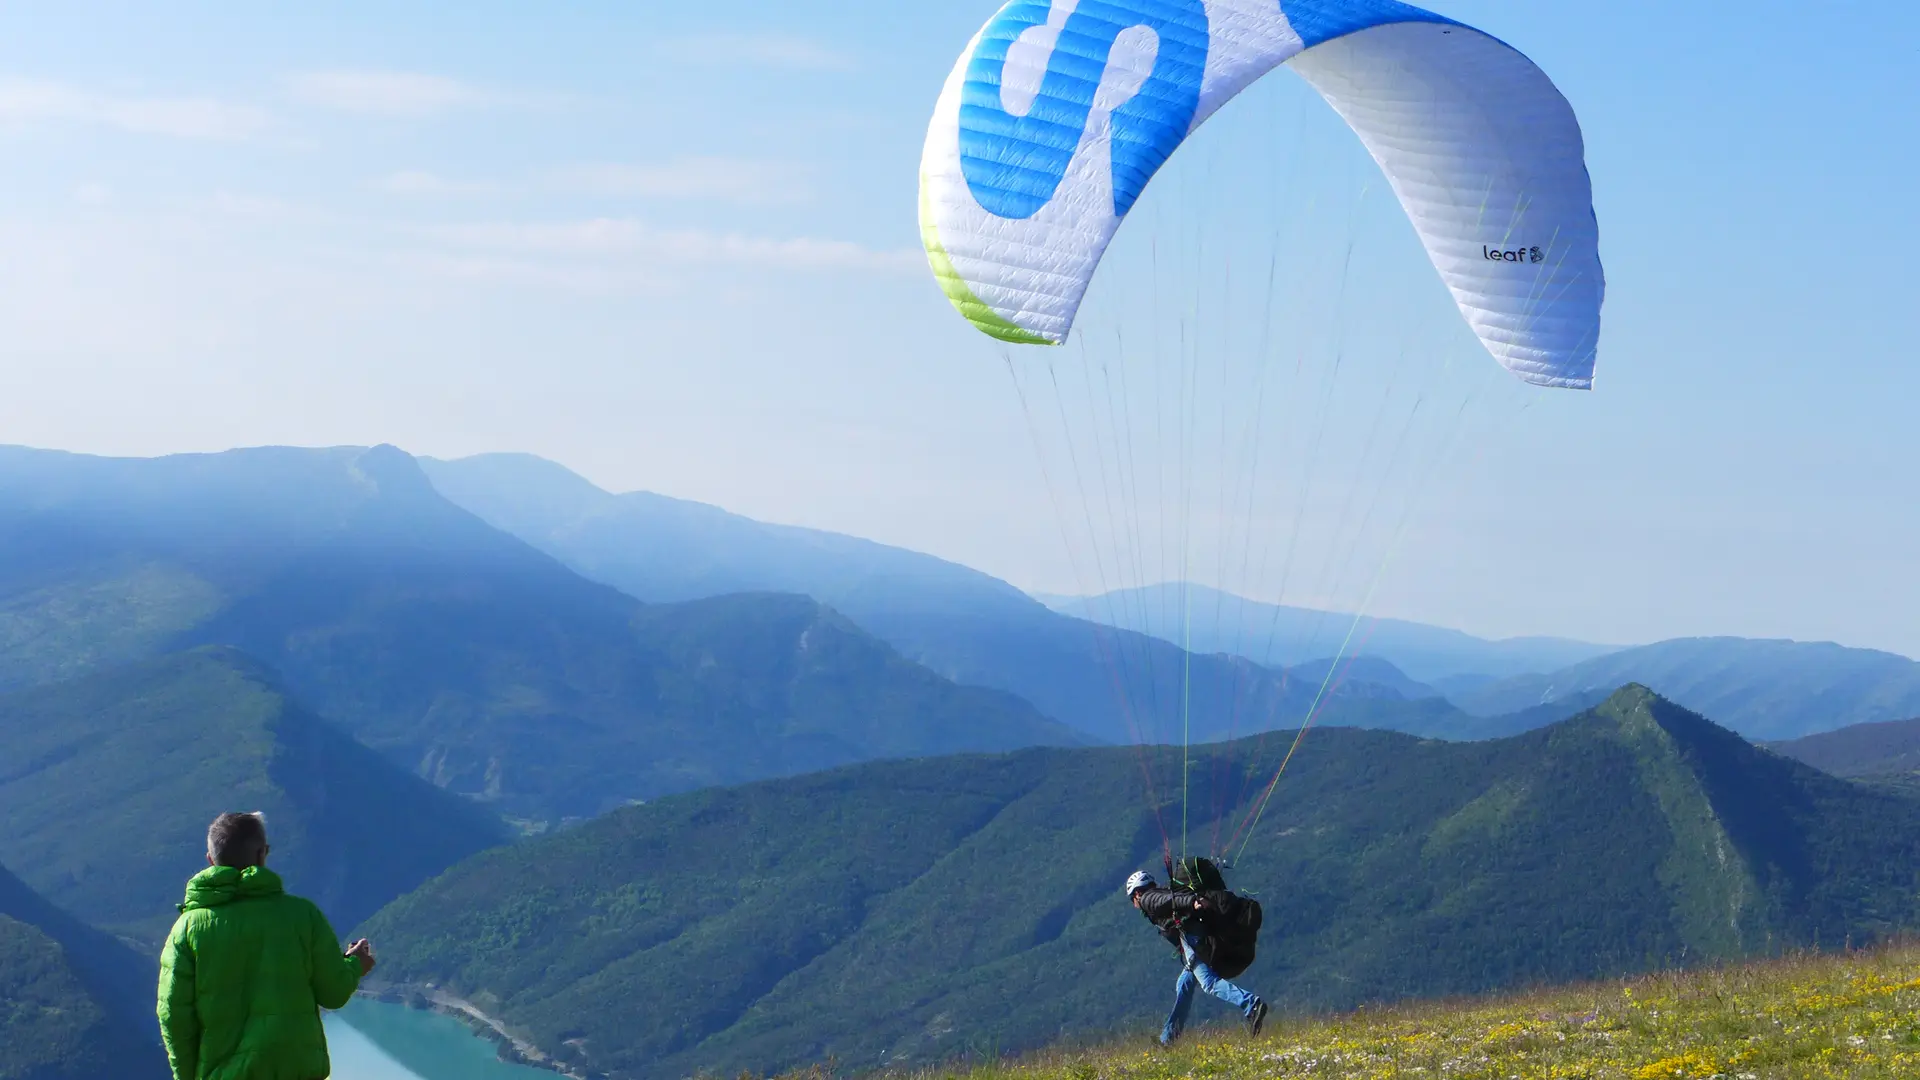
(217, 885)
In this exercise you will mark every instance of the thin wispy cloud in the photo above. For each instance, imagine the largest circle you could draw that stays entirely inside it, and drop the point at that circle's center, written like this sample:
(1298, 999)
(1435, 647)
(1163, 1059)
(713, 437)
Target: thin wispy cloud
(755, 50)
(630, 239)
(387, 93)
(419, 182)
(31, 101)
(248, 205)
(725, 179)
(588, 278)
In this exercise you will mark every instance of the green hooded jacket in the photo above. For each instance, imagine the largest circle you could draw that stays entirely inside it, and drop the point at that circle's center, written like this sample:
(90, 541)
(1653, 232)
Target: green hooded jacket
(243, 978)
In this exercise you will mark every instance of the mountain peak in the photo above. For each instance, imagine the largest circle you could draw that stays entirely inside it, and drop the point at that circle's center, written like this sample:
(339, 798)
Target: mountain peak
(1639, 714)
(1744, 822)
(521, 493)
(1632, 695)
(392, 470)
(1635, 708)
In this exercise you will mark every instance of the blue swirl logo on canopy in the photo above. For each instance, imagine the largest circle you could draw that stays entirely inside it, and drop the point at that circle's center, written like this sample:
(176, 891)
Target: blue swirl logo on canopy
(1014, 163)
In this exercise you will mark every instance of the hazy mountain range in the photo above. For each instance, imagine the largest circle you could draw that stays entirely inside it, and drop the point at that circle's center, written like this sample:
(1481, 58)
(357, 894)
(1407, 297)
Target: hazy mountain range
(1762, 689)
(1219, 622)
(457, 651)
(978, 629)
(970, 627)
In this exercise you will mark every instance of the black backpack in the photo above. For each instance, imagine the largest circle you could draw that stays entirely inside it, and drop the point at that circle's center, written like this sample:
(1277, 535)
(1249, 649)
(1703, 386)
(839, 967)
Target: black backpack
(1199, 875)
(1233, 922)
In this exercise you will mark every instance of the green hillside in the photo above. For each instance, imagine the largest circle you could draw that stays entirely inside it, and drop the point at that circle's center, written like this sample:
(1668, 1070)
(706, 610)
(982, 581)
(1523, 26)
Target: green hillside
(107, 785)
(549, 712)
(1891, 746)
(458, 651)
(1761, 689)
(74, 1003)
(905, 912)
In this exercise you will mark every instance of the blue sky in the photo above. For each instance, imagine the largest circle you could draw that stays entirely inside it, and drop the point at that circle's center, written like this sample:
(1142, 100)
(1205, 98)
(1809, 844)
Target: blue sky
(673, 247)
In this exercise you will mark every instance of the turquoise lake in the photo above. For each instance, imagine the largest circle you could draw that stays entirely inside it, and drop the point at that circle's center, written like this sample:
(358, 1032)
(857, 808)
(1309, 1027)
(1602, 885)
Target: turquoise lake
(374, 1040)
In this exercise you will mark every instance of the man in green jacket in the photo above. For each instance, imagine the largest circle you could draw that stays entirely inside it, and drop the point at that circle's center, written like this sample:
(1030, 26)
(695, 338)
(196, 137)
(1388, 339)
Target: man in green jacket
(248, 968)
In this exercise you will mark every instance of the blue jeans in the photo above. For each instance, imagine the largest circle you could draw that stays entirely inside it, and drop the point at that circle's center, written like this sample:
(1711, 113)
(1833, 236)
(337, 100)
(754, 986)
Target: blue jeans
(1199, 974)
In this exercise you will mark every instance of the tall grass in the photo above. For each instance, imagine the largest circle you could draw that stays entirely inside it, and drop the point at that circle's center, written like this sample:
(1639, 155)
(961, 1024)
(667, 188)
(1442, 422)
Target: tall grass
(1854, 1015)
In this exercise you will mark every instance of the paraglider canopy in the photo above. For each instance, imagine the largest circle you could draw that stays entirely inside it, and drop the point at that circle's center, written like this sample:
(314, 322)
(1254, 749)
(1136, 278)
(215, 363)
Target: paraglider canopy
(1059, 113)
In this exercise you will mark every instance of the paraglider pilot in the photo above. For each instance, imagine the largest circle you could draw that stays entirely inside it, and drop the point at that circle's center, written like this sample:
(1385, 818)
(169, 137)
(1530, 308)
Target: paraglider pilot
(1180, 916)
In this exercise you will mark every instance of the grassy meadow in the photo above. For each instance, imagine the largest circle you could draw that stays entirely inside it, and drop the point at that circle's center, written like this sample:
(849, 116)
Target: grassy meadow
(1855, 1015)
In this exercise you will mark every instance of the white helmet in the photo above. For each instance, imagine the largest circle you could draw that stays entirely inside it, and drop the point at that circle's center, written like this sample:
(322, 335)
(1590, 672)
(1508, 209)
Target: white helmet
(1138, 880)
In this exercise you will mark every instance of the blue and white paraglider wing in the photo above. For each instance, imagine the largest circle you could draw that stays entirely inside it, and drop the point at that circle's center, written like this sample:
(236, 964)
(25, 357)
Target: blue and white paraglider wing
(1060, 112)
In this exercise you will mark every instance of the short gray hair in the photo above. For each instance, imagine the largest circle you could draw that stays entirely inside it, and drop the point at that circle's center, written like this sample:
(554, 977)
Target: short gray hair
(237, 839)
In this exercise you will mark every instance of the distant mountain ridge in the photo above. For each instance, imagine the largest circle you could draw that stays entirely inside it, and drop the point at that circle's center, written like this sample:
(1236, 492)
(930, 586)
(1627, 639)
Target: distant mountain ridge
(1886, 746)
(694, 550)
(1216, 621)
(1765, 690)
(1376, 674)
(889, 912)
(968, 626)
(455, 649)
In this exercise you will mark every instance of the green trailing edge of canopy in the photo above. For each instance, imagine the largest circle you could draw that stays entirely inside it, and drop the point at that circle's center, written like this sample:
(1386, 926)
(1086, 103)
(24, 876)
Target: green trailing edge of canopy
(990, 322)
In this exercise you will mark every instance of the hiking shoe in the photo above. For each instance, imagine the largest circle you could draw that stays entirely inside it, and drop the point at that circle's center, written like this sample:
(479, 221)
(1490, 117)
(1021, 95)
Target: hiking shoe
(1256, 1017)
